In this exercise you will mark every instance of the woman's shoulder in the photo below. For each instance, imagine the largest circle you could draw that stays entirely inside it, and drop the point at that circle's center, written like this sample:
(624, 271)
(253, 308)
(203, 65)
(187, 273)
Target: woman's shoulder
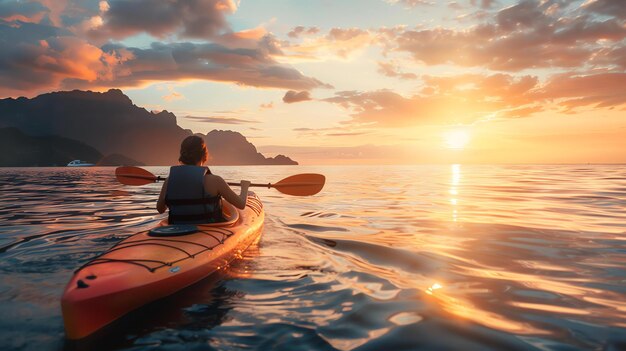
(213, 178)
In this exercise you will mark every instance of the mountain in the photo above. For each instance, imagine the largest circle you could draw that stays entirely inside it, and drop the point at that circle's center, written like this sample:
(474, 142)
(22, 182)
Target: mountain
(19, 150)
(112, 124)
(231, 148)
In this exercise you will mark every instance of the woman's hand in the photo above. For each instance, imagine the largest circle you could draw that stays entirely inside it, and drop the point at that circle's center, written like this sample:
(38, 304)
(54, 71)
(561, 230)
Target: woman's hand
(230, 196)
(245, 184)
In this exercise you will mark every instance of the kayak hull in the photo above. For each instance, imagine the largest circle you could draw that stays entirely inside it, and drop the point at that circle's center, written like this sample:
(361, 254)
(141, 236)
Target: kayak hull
(142, 269)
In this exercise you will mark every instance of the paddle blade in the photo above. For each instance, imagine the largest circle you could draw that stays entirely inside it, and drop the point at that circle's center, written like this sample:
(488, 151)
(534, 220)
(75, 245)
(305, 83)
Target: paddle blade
(134, 176)
(301, 184)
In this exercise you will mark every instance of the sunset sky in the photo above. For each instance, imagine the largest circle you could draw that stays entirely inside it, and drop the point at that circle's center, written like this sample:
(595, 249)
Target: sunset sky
(347, 81)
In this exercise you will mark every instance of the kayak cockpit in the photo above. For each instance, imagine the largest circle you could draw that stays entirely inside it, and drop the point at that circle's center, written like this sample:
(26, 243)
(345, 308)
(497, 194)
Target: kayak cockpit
(229, 212)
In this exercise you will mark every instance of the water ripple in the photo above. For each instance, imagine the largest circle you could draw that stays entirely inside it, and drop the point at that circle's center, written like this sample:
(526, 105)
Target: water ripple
(516, 257)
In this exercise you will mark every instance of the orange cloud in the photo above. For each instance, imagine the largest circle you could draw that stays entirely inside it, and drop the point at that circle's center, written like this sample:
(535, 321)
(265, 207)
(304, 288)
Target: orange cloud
(220, 120)
(338, 43)
(391, 69)
(598, 90)
(384, 108)
(46, 61)
(470, 97)
(38, 57)
(530, 34)
(179, 61)
(173, 95)
(444, 100)
(31, 12)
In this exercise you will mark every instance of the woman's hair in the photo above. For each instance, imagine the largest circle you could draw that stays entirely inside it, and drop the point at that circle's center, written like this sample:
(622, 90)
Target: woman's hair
(193, 150)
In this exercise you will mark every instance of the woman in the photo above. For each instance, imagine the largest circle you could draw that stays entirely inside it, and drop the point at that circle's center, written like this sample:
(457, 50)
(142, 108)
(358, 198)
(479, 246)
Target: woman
(192, 193)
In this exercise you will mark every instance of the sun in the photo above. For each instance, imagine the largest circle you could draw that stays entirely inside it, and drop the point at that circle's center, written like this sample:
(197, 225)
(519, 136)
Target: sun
(456, 139)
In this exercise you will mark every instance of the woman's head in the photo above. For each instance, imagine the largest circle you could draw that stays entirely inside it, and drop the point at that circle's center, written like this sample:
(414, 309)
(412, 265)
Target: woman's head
(193, 151)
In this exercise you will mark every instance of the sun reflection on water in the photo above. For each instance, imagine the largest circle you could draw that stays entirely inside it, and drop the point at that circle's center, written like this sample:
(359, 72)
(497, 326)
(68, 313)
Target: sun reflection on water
(456, 178)
(432, 288)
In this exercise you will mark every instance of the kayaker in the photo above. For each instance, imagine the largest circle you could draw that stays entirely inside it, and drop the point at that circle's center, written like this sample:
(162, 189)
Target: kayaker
(192, 193)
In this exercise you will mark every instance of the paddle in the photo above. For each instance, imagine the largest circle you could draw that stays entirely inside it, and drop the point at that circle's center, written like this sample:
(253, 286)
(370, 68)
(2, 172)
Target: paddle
(298, 185)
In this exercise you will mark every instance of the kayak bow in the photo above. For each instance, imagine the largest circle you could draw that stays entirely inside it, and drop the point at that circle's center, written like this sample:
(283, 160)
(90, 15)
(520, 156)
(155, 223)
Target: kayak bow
(146, 267)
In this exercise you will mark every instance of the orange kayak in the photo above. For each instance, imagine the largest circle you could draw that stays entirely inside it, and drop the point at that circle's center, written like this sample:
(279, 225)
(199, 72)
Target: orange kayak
(151, 265)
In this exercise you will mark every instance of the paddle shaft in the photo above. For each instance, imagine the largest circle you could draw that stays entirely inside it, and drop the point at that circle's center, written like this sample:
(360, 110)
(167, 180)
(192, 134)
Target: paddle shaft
(257, 185)
(304, 184)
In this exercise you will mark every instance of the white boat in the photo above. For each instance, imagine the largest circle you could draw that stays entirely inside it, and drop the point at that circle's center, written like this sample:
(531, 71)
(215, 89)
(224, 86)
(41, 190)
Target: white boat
(79, 163)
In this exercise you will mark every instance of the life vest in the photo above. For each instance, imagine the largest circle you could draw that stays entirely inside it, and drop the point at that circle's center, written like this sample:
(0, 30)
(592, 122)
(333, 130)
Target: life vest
(186, 199)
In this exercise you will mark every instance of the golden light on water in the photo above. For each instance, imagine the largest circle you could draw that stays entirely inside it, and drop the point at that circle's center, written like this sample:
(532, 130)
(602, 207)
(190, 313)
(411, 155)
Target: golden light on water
(456, 178)
(456, 139)
(432, 288)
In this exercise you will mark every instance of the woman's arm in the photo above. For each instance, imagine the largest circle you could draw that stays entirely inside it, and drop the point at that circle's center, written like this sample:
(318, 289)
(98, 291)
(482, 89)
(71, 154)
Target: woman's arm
(161, 206)
(227, 193)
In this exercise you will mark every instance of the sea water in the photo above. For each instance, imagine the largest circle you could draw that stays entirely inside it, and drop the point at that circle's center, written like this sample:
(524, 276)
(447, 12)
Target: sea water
(441, 257)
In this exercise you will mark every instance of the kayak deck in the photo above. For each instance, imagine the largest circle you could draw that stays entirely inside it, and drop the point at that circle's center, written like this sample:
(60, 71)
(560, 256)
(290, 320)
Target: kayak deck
(185, 246)
(144, 268)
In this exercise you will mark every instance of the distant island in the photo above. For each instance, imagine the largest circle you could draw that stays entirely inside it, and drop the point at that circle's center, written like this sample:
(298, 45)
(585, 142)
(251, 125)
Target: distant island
(107, 129)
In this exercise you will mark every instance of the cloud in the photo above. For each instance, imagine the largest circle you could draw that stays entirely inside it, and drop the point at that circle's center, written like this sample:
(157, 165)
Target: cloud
(294, 96)
(182, 18)
(248, 38)
(233, 112)
(444, 100)
(220, 120)
(210, 61)
(470, 98)
(529, 34)
(31, 12)
(605, 90)
(36, 57)
(500, 90)
(335, 131)
(521, 112)
(611, 57)
(346, 134)
(485, 4)
(455, 5)
(66, 44)
(296, 32)
(344, 34)
(173, 96)
(411, 3)
(385, 108)
(614, 8)
(267, 106)
(391, 69)
(337, 43)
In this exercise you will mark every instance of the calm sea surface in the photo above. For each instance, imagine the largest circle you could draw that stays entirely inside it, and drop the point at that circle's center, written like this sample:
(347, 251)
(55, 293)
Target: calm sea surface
(385, 258)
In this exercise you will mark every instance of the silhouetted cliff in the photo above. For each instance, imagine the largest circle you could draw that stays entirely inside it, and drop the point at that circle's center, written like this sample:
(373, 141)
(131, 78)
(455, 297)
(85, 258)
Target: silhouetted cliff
(112, 124)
